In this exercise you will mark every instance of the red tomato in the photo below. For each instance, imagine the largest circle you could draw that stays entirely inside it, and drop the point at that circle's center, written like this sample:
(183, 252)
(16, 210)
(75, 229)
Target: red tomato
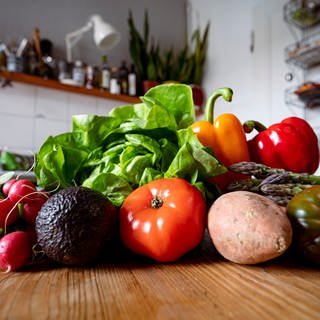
(163, 219)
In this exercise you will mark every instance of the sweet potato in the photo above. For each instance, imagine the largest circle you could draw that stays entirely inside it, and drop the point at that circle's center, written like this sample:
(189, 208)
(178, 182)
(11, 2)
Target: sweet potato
(248, 228)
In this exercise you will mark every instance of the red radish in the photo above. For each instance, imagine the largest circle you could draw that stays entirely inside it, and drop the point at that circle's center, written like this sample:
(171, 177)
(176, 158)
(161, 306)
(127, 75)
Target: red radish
(7, 185)
(9, 212)
(15, 250)
(31, 209)
(20, 190)
(32, 233)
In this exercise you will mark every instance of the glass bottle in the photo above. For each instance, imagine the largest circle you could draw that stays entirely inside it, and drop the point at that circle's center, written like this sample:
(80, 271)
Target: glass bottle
(78, 73)
(62, 67)
(105, 74)
(32, 61)
(114, 81)
(96, 77)
(3, 60)
(123, 76)
(89, 77)
(12, 63)
(132, 81)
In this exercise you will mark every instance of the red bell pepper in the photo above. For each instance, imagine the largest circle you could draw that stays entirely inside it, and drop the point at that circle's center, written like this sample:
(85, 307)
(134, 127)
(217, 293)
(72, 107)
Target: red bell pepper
(291, 144)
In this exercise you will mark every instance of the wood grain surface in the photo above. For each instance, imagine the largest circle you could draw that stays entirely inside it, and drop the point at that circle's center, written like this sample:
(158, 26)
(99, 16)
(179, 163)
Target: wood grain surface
(202, 285)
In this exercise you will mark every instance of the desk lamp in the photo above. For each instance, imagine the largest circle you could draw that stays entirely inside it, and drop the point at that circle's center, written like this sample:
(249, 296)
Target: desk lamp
(104, 35)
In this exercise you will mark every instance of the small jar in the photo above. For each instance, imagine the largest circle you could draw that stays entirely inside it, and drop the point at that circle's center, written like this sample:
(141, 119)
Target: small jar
(12, 63)
(78, 73)
(62, 68)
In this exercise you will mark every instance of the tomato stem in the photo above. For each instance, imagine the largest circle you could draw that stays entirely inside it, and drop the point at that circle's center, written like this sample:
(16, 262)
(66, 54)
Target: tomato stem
(156, 202)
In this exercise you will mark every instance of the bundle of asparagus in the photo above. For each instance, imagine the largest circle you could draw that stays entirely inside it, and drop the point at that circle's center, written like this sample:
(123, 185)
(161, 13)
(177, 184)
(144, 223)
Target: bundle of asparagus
(277, 184)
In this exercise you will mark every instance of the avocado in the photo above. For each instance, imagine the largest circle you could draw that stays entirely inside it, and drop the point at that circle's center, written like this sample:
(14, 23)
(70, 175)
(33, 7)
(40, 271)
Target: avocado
(75, 224)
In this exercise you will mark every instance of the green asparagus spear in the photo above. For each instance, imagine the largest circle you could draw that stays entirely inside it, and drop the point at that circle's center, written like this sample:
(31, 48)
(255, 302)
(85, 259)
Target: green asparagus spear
(256, 185)
(262, 171)
(277, 184)
(246, 184)
(280, 200)
(288, 189)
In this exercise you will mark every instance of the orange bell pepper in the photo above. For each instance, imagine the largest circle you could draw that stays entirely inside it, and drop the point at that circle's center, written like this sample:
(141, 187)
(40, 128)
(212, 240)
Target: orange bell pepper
(225, 136)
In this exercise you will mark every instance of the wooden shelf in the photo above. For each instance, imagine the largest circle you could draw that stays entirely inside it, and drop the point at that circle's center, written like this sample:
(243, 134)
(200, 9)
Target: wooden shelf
(54, 84)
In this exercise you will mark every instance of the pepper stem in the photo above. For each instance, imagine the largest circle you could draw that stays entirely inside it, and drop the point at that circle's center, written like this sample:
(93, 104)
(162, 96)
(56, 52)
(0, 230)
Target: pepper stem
(226, 93)
(250, 125)
(156, 202)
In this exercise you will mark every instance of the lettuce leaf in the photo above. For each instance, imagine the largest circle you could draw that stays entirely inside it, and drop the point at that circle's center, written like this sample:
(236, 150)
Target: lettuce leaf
(131, 146)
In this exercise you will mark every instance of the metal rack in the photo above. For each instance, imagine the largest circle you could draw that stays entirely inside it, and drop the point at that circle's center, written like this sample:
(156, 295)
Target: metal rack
(302, 13)
(304, 54)
(304, 16)
(309, 99)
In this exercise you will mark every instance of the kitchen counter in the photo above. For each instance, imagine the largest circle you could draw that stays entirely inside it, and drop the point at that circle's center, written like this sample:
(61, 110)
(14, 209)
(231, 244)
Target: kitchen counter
(202, 285)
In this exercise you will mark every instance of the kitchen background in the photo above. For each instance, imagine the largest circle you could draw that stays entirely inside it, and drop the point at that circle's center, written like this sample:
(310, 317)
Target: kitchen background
(247, 50)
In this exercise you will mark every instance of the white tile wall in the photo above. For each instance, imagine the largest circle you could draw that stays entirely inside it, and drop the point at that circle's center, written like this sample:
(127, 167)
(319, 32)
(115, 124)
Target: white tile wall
(51, 104)
(29, 114)
(81, 104)
(46, 127)
(17, 100)
(16, 132)
(104, 106)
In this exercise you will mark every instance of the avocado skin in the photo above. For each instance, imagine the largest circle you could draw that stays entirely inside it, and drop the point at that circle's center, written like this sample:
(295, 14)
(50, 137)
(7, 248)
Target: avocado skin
(74, 225)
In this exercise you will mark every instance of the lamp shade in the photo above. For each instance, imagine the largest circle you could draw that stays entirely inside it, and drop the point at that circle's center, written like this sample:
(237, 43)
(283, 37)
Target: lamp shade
(104, 35)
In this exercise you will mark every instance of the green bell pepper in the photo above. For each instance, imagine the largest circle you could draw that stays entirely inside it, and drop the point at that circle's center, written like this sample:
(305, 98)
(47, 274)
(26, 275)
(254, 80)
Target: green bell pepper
(304, 212)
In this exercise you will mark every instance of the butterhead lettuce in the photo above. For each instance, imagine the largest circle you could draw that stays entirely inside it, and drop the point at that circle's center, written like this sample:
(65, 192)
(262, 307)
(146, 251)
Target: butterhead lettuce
(129, 147)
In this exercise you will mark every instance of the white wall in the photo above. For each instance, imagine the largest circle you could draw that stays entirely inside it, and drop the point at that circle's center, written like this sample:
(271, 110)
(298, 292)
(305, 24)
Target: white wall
(29, 114)
(229, 60)
(257, 77)
(57, 18)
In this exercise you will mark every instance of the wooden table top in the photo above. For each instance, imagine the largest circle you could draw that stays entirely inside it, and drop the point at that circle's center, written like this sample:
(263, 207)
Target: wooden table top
(202, 285)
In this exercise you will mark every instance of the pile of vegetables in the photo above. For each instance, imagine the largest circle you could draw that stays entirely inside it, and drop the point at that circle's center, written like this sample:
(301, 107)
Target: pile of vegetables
(130, 147)
(172, 177)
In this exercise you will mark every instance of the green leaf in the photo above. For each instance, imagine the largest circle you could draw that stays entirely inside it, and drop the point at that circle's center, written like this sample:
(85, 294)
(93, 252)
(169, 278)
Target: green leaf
(169, 151)
(59, 161)
(115, 188)
(178, 99)
(151, 145)
(150, 174)
(6, 177)
(8, 161)
(193, 158)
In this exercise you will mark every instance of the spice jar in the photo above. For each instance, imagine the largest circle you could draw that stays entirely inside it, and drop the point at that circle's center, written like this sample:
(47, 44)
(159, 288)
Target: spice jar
(78, 73)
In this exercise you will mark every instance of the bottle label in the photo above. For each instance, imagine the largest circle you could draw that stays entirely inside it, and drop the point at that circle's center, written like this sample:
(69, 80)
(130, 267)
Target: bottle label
(78, 76)
(114, 86)
(124, 86)
(105, 79)
(132, 84)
